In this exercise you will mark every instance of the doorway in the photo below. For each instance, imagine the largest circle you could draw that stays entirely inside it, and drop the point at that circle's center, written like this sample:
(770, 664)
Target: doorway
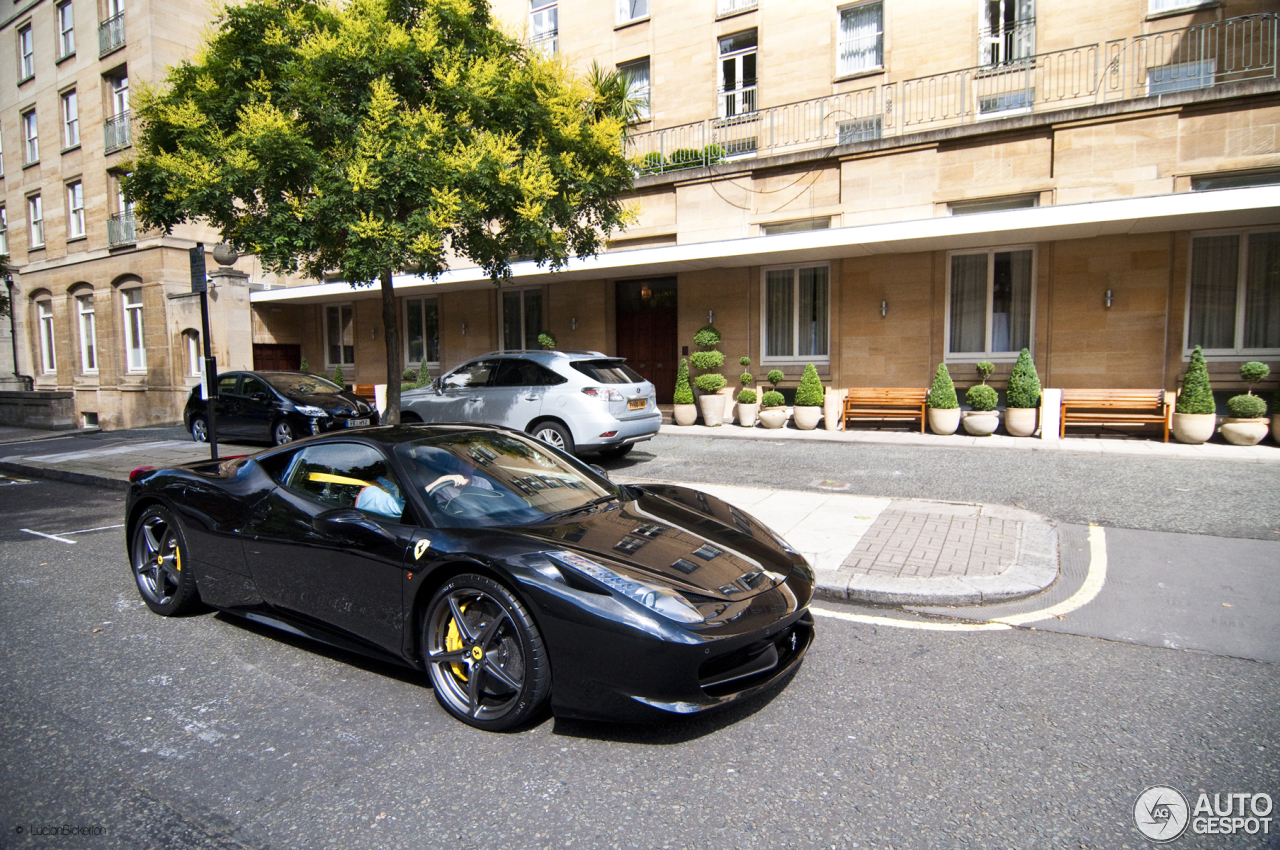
(647, 331)
(272, 358)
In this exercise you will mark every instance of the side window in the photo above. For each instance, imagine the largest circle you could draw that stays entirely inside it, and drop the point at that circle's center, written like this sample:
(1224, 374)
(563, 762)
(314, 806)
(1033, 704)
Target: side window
(524, 373)
(470, 376)
(347, 475)
(227, 384)
(252, 386)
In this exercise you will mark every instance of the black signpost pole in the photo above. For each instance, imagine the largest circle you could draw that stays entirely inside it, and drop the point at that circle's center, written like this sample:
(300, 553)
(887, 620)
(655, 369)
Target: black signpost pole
(200, 284)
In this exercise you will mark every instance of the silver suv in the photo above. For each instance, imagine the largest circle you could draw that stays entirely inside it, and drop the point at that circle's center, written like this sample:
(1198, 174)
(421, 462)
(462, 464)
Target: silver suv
(578, 401)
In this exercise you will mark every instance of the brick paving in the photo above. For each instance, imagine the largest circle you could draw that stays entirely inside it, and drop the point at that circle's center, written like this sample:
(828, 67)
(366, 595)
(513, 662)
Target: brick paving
(913, 544)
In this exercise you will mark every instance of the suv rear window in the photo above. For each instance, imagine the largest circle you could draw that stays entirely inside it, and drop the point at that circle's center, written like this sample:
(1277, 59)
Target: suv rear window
(608, 371)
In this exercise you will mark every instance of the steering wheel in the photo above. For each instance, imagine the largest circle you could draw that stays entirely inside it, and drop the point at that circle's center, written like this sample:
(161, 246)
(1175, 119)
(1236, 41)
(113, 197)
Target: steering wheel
(475, 501)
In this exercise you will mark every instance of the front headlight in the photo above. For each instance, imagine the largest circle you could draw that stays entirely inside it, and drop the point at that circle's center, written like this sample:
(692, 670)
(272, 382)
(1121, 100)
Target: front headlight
(310, 410)
(662, 600)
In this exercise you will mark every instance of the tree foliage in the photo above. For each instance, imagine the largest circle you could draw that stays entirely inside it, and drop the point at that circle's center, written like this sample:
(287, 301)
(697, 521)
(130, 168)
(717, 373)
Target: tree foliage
(1024, 383)
(942, 396)
(1197, 394)
(684, 393)
(809, 393)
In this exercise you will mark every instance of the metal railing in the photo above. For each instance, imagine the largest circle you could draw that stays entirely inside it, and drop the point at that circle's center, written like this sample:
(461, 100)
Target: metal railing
(115, 131)
(111, 34)
(1202, 56)
(733, 7)
(122, 229)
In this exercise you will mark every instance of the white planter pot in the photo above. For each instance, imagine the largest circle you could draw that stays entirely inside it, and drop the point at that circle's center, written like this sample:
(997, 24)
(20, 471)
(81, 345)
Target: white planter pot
(1275, 427)
(944, 421)
(1244, 432)
(684, 414)
(747, 414)
(730, 403)
(773, 417)
(712, 407)
(981, 423)
(1193, 428)
(807, 416)
(1020, 421)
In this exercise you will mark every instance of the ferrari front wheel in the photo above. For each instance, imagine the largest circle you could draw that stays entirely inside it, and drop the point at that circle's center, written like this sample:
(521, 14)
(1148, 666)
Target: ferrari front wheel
(156, 552)
(487, 661)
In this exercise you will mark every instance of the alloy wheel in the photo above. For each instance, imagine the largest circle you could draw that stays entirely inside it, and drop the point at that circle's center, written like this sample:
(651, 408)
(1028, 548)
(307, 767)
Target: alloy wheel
(157, 561)
(476, 656)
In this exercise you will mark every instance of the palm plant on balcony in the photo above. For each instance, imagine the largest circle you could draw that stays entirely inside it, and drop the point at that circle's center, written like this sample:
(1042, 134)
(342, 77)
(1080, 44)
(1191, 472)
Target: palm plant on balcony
(1194, 416)
(1247, 424)
(1022, 397)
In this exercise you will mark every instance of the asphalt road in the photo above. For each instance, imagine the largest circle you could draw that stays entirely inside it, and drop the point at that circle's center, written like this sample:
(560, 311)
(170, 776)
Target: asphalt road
(203, 731)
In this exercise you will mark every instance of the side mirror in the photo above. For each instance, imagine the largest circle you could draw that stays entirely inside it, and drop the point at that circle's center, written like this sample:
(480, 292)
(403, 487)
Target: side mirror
(348, 522)
(259, 396)
(437, 385)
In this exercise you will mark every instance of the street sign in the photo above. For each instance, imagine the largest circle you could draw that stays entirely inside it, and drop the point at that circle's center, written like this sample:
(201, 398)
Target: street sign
(199, 280)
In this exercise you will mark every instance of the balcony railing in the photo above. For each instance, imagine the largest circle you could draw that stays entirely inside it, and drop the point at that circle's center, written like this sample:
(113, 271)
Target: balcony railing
(122, 229)
(1233, 50)
(111, 34)
(733, 7)
(116, 132)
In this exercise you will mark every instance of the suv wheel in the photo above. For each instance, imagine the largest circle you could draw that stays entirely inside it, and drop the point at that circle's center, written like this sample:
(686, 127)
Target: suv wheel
(554, 434)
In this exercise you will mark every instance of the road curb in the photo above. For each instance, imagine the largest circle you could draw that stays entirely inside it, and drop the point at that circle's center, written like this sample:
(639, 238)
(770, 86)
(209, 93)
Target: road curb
(63, 475)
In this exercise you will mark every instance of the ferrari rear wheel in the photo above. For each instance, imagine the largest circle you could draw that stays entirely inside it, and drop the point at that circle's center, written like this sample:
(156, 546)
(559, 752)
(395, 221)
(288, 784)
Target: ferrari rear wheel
(488, 664)
(156, 554)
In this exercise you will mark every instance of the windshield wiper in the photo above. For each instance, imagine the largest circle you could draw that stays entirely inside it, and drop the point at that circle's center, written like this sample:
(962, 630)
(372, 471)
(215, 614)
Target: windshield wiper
(586, 506)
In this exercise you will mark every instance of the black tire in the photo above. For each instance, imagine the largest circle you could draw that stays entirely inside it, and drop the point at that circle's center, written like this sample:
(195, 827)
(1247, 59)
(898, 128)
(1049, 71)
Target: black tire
(484, 653)
(408, 417)
(156, 552)
(617, 451)
(282, 432)
(554, 434)
(199, 429)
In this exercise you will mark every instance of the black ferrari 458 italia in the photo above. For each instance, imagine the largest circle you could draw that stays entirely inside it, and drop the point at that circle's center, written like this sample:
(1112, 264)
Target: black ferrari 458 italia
(510, 572)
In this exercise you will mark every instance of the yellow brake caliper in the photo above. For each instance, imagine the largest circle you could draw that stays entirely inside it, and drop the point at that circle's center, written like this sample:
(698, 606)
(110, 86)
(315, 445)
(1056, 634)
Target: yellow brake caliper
(453, 643)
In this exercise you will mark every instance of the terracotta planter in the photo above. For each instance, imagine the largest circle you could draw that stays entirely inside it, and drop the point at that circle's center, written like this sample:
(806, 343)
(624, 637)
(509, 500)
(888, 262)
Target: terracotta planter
(807, 416)
(747, 414)
(981, 423)
(1193, 428)
(1020, 421)
(773, 417)
(712, 407)
(684, 414)
(944, 421)
(1244, 432)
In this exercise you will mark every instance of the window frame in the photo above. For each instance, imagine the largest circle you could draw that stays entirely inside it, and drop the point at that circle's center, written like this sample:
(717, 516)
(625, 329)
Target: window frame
(1238, 352)
(195, 356)
(70, 119)
(35, 222)
(135, 356)
(45, 333)
(342, 345)
(30, 137)
(950, 356)
(4, 229)
(645, 113)
(747, 96)
(119, 82)
(793, 359)
(623, 6)
(421, 300)
(75, 210)
(524, 317)
(842, 72)
(88, 324)
(547, 10)
(66, 29)
(26, 53)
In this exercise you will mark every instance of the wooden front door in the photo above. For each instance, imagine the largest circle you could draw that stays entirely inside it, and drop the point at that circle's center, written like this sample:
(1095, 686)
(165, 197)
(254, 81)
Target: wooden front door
(276, 358)
(647, 331)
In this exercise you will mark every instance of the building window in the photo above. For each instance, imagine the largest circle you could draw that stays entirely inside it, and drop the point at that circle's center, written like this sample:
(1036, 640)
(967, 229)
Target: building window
(66, 31)
(797, 226)
(1008, 31)
(31, 136)
(75, 210)
(35, 218)
(993, 205)
(544, 26)
(861, 41)
(26, 54)
(88, 335)
(121, 226)
(1156, 7)
(134, 340)
(737, 95)
(111, 31)
(44, 317)
(521, 319)
(859, 130)
(195, 360)
(70, 120)
(989, 303)
(1233, 299)
(1235, 181)
(339, 335)
(1, 151)
(4, 232)
(1181, 76)
(796, 313)
(422, 331)
(632, 10)
(637, 76)
(116, 128)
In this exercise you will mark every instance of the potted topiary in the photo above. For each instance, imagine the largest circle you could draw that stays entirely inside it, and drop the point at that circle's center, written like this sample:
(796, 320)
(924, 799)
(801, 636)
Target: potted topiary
(944, 407)
(337, 376)
(709, 384)
(303, 367)
(1194, 419)
(983, 419)
(1275, 415)
(547, 340)
(1022, 397)
(773, 407)
(1247, 424)
(808, 407)
(684, 411)
(746, 397)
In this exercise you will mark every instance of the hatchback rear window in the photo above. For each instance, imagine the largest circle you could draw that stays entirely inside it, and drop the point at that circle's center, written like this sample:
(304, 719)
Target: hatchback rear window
(608, 371)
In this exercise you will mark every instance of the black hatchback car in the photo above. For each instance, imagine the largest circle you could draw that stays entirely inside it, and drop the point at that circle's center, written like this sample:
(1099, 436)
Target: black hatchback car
(276, 406)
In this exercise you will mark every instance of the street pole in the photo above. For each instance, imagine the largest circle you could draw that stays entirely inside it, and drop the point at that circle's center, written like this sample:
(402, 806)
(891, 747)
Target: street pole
(200, 284)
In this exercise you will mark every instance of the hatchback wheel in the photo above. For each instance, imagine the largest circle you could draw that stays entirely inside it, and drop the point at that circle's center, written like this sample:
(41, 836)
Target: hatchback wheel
(199, 430)
(282, 433)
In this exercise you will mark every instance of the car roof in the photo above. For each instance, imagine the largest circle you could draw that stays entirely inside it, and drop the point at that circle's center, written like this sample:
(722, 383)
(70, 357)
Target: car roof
(553, 354)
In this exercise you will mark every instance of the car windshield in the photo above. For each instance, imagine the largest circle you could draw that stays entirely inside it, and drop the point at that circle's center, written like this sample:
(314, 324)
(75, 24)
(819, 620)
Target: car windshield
(302, 384)
(608, 371)
(480, 479)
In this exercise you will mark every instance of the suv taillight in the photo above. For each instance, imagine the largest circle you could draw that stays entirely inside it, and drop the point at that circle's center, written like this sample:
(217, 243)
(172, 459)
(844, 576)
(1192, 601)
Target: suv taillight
(605, 393)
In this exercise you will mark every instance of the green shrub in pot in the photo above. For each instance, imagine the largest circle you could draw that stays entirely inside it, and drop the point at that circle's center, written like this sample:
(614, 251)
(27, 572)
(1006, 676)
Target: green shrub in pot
(943, 407)
(1247, 424)
(1193, 419)
(981, 397)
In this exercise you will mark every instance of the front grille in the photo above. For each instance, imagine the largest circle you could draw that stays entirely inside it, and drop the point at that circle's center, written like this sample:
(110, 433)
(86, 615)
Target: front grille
(755, 663)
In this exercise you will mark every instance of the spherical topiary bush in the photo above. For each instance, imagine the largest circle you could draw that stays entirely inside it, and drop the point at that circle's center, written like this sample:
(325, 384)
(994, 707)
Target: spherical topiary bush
(981, 397)
(985, 368)
(774, 377)
(773, 398)
(809, 393)
(409, 375)
(547, 339)
(711, 382)
(1254, 372)
(707, 359)
(684, 393)
(1024, 384)
(747, 397)
(707, 337)
(1197, 394)
(942, 396)
(1247, 406)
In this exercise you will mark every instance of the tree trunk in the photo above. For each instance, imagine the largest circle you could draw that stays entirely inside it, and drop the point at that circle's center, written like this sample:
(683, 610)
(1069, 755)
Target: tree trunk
(391, 333)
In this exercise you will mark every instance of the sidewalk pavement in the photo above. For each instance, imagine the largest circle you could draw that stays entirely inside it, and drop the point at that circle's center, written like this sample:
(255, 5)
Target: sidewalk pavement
(877, 550)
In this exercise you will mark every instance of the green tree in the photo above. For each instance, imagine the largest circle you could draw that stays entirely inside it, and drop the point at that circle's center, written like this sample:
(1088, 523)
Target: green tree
(1197, 394)
(372, 137)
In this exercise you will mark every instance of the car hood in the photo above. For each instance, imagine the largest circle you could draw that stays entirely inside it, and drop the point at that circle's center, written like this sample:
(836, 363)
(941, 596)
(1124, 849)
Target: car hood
(684, 538)
(331, 403)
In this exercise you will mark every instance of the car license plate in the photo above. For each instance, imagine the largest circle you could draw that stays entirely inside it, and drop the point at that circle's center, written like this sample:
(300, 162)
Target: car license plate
(357, 423)
(637, 404)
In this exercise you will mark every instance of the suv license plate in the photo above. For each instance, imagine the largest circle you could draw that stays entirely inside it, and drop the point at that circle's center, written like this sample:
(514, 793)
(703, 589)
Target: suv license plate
(637, 404)
(357, 423)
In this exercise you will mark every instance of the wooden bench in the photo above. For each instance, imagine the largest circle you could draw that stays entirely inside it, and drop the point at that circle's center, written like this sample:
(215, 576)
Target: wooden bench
(885, 403)
(1109, 407)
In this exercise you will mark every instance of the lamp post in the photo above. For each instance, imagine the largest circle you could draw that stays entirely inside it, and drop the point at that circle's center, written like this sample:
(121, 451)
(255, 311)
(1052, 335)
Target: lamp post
(200, 284)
